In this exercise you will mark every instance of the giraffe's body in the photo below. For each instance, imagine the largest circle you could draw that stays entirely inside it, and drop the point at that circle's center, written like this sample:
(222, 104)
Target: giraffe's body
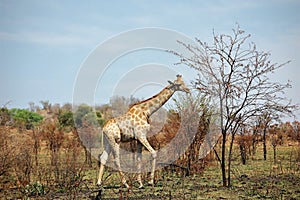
(134, 125)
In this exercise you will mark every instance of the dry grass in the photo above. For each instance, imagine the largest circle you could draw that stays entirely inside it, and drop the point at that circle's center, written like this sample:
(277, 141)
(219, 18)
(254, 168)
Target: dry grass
(258, 179)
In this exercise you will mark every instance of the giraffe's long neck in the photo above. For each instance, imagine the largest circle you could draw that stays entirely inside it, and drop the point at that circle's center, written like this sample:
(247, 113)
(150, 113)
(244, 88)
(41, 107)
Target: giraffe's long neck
(152, 104)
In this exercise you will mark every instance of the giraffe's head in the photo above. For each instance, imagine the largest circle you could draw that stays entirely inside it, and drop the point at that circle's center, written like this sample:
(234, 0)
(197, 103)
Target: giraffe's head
(179, 85)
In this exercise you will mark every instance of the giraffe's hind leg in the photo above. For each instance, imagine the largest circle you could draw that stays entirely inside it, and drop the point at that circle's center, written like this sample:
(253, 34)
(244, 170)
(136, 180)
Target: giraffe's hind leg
(139, 165)
(116, 152)
(103, 160)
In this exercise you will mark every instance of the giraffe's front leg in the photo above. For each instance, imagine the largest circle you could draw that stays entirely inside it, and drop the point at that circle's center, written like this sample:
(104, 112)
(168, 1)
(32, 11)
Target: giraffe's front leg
(101, 171)
(103, 160)
(139, 164)
(144, 141)
(154, 155)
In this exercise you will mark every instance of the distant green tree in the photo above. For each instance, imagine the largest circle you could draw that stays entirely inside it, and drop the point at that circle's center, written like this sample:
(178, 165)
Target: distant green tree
(90, 118)
(100, 118)
(87, 121)
(85, 113)
(81, 113)
(23, 117)
(67, 106)
(65, 119)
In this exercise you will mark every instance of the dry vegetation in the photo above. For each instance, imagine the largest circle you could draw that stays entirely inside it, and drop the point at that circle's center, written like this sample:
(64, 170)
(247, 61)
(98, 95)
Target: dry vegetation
(47, 161)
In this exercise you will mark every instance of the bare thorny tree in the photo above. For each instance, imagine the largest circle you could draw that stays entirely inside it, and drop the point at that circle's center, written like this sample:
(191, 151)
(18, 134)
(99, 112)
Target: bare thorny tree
(235, 74)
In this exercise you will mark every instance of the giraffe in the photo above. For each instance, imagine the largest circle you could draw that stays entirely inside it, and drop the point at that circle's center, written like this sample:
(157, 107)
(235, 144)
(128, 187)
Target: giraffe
(134, 125)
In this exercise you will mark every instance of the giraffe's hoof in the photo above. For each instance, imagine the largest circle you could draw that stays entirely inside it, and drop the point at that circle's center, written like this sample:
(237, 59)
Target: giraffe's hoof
(99, 184)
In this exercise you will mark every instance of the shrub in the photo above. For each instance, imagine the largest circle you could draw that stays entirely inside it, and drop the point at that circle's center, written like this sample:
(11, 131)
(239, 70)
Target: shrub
(25, 118)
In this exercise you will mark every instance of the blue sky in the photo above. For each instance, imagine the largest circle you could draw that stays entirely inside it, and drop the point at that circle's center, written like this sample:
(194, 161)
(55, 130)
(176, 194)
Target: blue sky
(44, 43)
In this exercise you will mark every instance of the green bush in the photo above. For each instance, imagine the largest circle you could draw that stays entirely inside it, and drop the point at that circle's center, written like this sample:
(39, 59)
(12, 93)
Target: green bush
(65, 119)
(23, 117)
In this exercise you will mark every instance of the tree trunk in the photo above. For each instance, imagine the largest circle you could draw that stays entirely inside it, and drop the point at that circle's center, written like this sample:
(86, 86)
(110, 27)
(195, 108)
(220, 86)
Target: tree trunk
(229, 161)
(243, 153)
(254, 141)
(223, 159)
(188, 167)
(264, 144)
(88, 157)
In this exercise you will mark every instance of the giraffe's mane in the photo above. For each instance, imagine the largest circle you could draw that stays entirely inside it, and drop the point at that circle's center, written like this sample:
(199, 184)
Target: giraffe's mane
(143, 101)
